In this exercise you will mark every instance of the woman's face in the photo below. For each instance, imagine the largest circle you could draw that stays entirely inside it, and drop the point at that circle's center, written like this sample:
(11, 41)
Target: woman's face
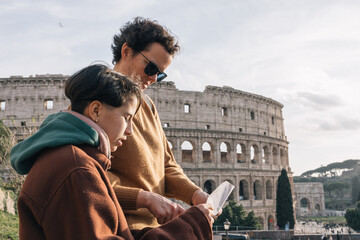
(117, 121)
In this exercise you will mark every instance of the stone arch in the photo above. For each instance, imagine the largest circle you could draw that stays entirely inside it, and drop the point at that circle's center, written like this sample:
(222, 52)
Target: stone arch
(225, 152)
(187, 151)
(265, 154)
(254, 153)
(305, 203)
(275, 155)
(207, 152)
(261, 221)
(240, 153)
(271, 222)
(269, 190)
(170, 145)
(283, 158)
(257, 190)
(231, 196)
(243, 190)
(317, 207)
(209, 186)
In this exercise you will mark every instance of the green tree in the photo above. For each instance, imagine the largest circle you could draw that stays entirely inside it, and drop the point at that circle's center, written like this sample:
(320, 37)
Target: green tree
(352, 217)
(237, 216)
(252, 221)
(6, 143)
(355, 189)
(284, 202)
(335, 190)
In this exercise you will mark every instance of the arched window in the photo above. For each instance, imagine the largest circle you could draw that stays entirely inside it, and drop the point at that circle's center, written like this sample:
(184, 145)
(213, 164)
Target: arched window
(265, 155)
(187, 151)
(271, 222)
(261, 221)
(283, 158)
(275, 156)
(206, 149)
(305, 203)
(240, 155)
(257, 190)
(244, 190)
(269, 189)
(224, 152)
(170, 145)
(209, 186)
(254, 154)
(231, 196)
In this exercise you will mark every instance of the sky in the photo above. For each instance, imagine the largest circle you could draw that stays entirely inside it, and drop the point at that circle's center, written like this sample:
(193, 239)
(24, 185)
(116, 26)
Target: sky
(304, 54)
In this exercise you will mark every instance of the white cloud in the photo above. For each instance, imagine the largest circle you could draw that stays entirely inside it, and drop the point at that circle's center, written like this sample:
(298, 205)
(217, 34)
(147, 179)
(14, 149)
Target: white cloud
(304, 54)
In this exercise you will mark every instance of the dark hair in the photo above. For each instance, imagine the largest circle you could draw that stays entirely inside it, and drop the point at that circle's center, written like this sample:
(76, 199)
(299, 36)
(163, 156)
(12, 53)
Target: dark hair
(98, 82)
(139, 34)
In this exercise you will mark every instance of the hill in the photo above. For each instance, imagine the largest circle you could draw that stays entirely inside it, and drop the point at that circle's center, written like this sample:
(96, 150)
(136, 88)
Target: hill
(346, 169)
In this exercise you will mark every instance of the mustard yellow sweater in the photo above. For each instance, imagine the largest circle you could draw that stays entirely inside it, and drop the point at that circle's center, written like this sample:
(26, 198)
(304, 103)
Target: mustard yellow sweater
(145, 161)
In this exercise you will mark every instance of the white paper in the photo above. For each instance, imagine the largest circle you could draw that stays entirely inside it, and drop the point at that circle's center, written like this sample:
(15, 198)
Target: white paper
(218, 197)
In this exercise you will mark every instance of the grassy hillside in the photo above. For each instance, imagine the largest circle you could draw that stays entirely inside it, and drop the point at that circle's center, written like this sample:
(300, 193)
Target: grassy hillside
(9, 226)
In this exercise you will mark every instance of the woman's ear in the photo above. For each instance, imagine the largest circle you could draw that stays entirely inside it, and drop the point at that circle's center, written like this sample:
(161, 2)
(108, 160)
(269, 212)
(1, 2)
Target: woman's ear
(92, 111)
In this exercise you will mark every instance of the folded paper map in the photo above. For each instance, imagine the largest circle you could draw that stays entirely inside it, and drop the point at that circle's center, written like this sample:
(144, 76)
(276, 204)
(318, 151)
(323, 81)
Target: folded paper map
(218, 197)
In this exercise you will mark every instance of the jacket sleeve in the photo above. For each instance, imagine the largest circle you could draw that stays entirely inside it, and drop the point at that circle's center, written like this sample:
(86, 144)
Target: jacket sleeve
(177, 184)
(82, 209)
(193, 224)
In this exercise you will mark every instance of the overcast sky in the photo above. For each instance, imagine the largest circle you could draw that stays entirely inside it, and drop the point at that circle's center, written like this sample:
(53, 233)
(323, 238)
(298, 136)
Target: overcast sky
(304, 54)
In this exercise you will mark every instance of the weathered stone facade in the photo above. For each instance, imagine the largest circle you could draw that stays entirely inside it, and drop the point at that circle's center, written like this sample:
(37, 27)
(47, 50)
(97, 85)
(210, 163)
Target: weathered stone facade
(310, 200)
(216, 135)
(25, 102)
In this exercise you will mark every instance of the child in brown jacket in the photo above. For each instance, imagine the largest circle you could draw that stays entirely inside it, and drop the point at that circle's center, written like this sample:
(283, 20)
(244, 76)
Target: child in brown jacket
(67, 194)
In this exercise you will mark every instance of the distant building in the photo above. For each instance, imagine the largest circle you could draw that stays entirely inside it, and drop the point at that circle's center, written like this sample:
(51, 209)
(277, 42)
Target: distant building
(216, 135)
(310, 200)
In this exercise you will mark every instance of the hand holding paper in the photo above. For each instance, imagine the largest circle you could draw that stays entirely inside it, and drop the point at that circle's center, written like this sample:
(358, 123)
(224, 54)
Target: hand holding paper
(218, 197)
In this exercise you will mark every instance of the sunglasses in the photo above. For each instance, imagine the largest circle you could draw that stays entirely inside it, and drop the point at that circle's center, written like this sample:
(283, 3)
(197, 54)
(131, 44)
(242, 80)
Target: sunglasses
(151, 69)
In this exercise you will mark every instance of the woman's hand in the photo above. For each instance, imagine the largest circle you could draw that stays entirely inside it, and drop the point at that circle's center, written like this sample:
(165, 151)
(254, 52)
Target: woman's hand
(207, 209)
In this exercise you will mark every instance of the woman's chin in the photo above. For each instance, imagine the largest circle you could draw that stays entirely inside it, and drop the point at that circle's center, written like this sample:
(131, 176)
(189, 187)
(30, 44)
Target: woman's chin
(114, 148)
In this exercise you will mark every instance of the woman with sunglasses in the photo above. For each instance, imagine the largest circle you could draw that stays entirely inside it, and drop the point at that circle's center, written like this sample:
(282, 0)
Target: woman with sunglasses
(67, 194)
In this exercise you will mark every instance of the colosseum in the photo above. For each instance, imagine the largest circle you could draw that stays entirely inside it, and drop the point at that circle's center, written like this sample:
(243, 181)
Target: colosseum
(216, 135)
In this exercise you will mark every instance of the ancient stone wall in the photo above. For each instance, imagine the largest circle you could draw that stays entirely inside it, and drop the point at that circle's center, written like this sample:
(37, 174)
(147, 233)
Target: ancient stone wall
(216, 135)
(227, 134)
(26, 102)
(310, 200)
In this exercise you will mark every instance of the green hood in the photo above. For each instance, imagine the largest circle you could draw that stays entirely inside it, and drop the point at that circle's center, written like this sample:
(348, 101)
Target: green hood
(57, 130)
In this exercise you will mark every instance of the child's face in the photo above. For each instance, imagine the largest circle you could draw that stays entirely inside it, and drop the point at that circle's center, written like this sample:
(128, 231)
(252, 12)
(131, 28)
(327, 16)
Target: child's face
(117, 121)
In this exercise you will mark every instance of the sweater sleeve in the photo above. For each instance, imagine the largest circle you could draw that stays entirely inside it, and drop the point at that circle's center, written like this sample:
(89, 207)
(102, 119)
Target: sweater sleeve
(82, 209)
(177, 184)
(127, 196)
